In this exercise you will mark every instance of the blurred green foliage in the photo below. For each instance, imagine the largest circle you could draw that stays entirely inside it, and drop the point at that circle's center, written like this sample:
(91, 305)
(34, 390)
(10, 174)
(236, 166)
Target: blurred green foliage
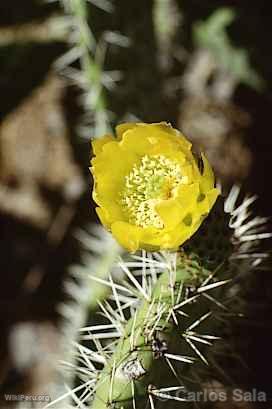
(212, 34)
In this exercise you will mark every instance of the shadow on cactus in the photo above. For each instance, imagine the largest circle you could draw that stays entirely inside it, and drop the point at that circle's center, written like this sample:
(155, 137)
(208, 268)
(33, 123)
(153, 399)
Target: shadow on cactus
(164, 331)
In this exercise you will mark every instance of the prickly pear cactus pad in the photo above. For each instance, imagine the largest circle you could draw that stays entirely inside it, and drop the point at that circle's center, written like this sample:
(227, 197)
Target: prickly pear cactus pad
(164, 319)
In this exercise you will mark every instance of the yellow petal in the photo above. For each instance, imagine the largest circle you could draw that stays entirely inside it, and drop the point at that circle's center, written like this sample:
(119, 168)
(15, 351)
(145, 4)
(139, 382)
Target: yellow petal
(182, 233)
(127, 235)
(135, 141)
(202, 205)
(177, 237)
(212, 195)
(109, 169)
(110, 205)
(97, 144)
(187, 194)
(113, 160)
(122, 128)
(104, 217)
(176, 135)
(171, 212)
(207, 179)
(154, 139)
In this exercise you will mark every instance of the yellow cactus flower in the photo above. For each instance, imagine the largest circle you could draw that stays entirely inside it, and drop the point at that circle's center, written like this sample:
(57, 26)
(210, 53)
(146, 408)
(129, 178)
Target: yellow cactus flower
(148, 187)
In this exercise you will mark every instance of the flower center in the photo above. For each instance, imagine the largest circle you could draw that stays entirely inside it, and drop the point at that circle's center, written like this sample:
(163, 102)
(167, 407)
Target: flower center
(153, 180)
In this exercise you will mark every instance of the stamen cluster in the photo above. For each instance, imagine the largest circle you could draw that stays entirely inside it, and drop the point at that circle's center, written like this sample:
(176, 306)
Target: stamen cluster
(155, 179)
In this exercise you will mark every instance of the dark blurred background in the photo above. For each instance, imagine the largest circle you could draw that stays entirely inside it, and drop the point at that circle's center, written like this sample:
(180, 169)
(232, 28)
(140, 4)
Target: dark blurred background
(204, 66)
